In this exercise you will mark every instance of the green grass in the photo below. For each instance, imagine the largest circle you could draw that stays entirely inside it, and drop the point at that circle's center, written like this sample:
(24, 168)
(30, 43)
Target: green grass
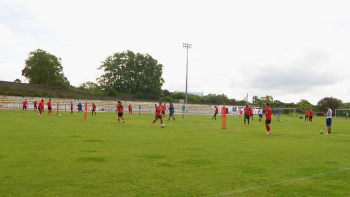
(70, 156)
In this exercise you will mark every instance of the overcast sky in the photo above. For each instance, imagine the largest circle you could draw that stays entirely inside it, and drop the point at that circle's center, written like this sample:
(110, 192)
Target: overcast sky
(290, 50)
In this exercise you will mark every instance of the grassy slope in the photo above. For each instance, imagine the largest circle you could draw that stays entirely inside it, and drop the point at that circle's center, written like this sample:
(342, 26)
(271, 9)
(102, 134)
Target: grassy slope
(70, 156)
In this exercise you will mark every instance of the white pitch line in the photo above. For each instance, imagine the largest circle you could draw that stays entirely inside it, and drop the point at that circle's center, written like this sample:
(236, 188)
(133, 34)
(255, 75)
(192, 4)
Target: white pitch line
(272, 184)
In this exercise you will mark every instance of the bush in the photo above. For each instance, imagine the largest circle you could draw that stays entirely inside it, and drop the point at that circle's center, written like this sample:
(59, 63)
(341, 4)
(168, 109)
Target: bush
(167, 99)
(192, 99)
(112, 92)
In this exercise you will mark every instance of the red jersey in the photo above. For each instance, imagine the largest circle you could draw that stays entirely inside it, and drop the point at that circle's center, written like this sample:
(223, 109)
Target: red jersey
(25, 103)
(163, 108)
(93, 106)
(216, 110)
(129, 107)
(158, 110)
(49, 104)
(71, 105)
(247, 111)
(251, 111)
(35, 103)
(269, 112)
(307, 113)
(41, 104)
(311, 112)
(120, 108)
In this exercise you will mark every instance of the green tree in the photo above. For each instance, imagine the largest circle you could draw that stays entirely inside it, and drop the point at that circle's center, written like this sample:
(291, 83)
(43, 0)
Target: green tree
(255, 99)
(166, 92)
(17, 81)
(277, 103)
(216, 99)
(132, 73)
(44, 68)
(305, 105)
(333, 103)
(346, 105)
(267, 98)
(89, 87)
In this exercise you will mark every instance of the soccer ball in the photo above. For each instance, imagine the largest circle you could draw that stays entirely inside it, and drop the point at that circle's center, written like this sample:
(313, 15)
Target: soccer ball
(74, 114)
(321, 132)
(59, 116)
(162, 126)
(281, 120)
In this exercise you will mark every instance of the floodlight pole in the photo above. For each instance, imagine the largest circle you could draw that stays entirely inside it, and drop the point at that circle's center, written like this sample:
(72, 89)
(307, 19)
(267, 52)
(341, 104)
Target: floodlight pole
(185, 45)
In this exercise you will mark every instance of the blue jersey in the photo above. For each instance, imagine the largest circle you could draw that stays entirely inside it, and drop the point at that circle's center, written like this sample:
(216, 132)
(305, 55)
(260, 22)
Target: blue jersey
(171, 109)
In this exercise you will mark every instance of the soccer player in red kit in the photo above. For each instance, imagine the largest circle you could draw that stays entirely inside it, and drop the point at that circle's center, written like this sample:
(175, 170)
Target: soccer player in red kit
(49, 107)
(311, 113)
(268, 113)
(216, 111)
(130, 109)
(35, 105)
(93, 109)
(120, 111)
(25, 106)
(246, 113)
(163, 110)
(41, 106)
(158, 114)
(307, 115)
(71, 107)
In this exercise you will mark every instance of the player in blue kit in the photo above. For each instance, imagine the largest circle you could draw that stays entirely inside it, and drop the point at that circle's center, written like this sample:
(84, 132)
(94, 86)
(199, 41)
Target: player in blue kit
(171, 111)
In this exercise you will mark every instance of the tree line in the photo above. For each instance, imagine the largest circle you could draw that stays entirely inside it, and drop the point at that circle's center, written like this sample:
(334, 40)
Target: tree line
(140, 76)
(126, 73)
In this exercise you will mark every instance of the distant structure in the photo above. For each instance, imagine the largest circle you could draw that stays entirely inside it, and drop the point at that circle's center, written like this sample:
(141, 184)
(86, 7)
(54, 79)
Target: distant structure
(194, 93)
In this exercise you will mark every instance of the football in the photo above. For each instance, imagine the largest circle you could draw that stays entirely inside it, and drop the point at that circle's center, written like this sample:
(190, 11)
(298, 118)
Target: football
(281, 120)
(59, 116)
(321, 132)
(162, 126)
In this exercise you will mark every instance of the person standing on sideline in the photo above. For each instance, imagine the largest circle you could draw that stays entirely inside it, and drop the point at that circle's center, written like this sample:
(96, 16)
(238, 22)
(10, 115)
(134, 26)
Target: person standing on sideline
(93, 109)
(120, 111)
(171, 111)
(216, 111)
(49, 107)
(130, 109)
(163, 110)
(246, 113)
(307, 116)
(251, 112)
(71, 107)
(329, 119)
(24, 106)
(158, 114)
(260, 114)
(347, 115)
(43, 106)
(35, 105)
(311, 113)
(268, 113)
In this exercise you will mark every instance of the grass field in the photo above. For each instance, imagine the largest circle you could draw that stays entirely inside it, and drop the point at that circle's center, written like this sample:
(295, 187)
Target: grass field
(70, 156)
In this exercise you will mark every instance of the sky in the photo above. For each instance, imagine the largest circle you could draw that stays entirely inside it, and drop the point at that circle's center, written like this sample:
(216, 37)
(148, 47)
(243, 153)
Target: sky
(291, 50)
